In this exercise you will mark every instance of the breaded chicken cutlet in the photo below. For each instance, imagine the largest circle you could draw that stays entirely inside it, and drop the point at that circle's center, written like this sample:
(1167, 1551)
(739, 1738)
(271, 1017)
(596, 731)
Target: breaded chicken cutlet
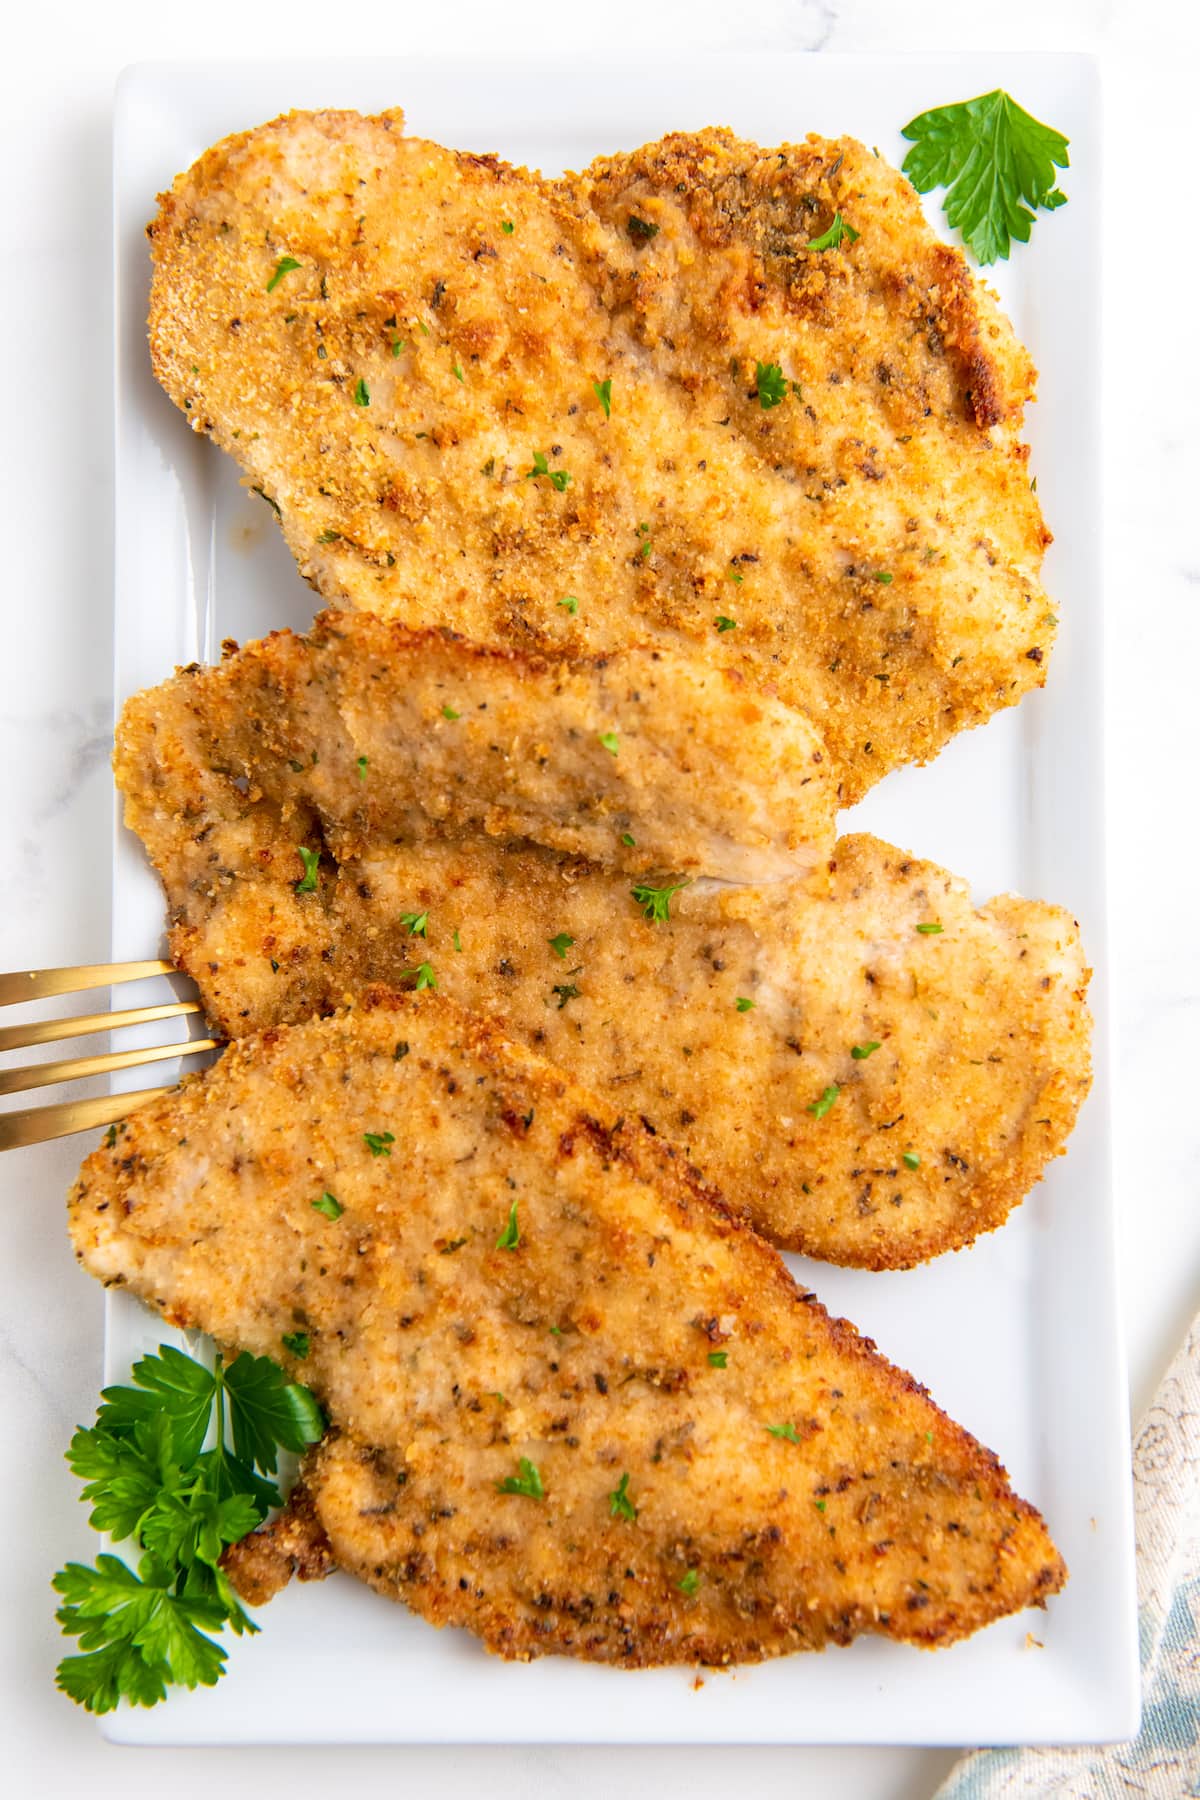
(575, 1407)
(869, 1068)
(737, 398)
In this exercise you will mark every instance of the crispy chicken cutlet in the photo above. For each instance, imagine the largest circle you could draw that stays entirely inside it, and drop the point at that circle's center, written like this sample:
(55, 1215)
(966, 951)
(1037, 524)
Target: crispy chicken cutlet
(868, 1067)
(734, 398)
(642, 758)
(574, 1406)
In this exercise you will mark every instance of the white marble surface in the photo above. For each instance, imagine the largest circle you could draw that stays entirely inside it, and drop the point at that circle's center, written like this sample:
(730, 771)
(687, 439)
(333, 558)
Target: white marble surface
(55, 87)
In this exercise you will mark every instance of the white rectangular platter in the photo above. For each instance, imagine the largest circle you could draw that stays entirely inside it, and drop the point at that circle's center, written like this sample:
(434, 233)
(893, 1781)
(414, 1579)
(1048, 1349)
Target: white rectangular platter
(1017, 1338)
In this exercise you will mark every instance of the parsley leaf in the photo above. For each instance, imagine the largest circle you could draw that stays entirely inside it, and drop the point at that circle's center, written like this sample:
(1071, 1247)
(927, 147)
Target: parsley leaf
(571, 604)
(507, 227)
(527, 1481)
(930, 930)
(787, 1431)
(560, 944)
(283, 267)
(656, 902)
(425, 978)
(995, 161)
(718, 1359)
(838, 233)
(911, 1160)
(148, 1481)
(820, 1107)
(362, 768)
(603, 393)
(619, 1503)
(724, 624)
(566, 990)
(312, 861)
(416, 924)
(641, 229)
(297, 1344)
(379, 1143)
(744, 1004)
(330, 1205)
(611, 742)
(771, 385)
(558, 478)
(690, 1583)
(448, 712)
(362, 393)
(510, 1237)
(860, 1052)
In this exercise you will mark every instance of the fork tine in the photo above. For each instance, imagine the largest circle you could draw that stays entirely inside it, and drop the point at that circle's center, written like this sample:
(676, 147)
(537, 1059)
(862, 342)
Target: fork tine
(77, 1068)
(37, 1124)
(49, 1031)
(42, 984)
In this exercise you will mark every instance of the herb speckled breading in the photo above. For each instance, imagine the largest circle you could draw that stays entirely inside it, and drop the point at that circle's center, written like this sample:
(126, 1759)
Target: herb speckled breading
(488, 1402)
(818, 445)
(982, 1025)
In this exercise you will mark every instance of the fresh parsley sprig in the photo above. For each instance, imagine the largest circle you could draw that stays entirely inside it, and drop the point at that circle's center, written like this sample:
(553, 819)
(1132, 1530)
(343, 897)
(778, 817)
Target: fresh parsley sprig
(996, 163)
(149, 1480)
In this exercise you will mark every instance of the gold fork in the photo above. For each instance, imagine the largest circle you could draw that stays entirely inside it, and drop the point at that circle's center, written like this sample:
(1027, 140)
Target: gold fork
(36, 1124)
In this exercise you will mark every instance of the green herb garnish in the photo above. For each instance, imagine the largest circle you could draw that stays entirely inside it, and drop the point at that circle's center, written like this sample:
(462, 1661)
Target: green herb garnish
(558, 478)
(860, 1052)
(329, 1205)
(361, 766)
(560, 944)
(995, 161)
(312, 862)
(425, 978)
(839, 232)
(619, 1503)
(641, 228)
(929, 930)
(507, 227)
(603, 393)
(771, 385)
(379, 1143)
(718, 1359)
(655, 902)
(362, 393)
(297, 1343)
(416, 924)
(571, 604)
(820, 1107)
(283, 267)
(510, 1237)
(911, 1160)
(527, 1482)
(148, 1479)
(743, 1004)
(690, 1583)
(724, 624)
(448, 712)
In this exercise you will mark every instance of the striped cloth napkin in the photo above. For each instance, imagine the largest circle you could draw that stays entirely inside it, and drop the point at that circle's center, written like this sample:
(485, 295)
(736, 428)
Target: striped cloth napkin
(1163, 1761)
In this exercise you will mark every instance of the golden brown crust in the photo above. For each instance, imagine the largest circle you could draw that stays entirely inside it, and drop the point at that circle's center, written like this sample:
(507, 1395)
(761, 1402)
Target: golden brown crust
(873, 536)
(982, 1027)
(293, 1543)
(635, 1330)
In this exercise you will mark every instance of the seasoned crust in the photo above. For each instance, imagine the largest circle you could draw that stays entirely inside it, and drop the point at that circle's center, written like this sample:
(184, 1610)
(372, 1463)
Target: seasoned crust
(442, 1359)
(982, 1028)
(880, 519)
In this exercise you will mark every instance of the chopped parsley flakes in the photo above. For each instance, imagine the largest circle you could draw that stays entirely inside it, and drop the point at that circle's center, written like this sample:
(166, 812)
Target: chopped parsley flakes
(558, 478)
(362, 393)
(929, 930)
(860, 1052)
(330, 1205)
(416, 924)
(718, 1359)
(603, 393)
(787, 1431)
(724, 624)
(570, 604)
(527, 1481)
(379, 1143)
(609, 740)
(771, 384)
(510, 1237)
(690, 1583)
(743, 1004)
(619, 1503)
(311, 860)
(837, 233)
(560, 944)
(297, 1343)
(655, 902)
(911, 1160)
(820, 1107)
(283, 267)
(425, 977)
